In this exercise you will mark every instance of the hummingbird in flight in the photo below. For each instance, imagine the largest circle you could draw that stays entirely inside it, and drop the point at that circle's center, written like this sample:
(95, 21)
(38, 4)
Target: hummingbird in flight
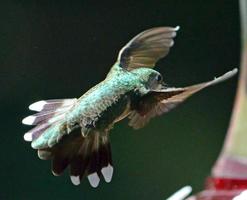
(74, 132)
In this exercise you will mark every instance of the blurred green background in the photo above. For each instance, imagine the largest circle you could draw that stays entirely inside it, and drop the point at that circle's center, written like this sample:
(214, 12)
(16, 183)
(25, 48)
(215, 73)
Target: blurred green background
(58, 49)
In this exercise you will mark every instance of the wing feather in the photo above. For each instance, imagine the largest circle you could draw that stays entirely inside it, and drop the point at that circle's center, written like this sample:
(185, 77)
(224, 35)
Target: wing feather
(158, 102)
(147, 48)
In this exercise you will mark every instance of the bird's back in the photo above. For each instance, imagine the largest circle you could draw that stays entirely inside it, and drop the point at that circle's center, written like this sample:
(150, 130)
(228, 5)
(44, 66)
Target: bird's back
(103, 104)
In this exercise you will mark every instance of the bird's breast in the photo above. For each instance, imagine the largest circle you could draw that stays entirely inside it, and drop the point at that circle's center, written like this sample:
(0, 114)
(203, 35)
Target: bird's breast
(114, 113)
(125, 112)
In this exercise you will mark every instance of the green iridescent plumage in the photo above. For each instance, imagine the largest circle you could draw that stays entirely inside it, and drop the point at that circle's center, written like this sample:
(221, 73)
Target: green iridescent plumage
(75, 132)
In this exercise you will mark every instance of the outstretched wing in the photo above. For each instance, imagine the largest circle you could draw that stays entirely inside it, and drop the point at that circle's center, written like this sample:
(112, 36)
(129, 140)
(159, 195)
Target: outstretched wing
(147, 48)
(158, 102)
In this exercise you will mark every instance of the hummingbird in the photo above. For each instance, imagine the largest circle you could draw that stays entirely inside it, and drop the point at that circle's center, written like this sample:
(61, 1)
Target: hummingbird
(74, 132)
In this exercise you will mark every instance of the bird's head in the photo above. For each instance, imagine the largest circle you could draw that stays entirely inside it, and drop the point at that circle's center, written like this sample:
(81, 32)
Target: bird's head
(150, 78)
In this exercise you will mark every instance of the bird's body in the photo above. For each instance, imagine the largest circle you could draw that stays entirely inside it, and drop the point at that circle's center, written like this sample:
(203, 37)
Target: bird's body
(75, 132)
(106, 103)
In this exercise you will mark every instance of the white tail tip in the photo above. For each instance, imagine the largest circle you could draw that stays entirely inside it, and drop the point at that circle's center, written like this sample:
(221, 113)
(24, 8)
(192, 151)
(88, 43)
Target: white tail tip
(28, 120)
(93, 180)
(177, 28)
(107, 173)
(37, 106)
(75, 180)
(28, 137)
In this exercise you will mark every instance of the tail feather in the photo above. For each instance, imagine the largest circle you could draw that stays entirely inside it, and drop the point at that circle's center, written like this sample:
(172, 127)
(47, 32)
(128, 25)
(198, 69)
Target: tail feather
(47, 116)
(59, 164)
(76, 166)
(49, 113)
(64, 151)
(105, 152)
(45, 154)
(81, 159)
(85, 156)
(50, 105)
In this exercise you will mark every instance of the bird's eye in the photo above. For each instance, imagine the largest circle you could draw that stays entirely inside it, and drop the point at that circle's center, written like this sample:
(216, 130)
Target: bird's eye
(159, 78)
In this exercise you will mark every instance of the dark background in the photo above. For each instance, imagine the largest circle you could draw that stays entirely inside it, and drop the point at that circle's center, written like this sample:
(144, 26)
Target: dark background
(58, 49)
